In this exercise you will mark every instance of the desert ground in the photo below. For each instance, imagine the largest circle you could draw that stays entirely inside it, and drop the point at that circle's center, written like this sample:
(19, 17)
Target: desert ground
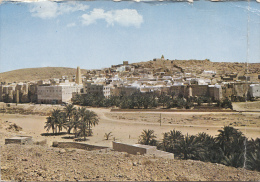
(126, 127)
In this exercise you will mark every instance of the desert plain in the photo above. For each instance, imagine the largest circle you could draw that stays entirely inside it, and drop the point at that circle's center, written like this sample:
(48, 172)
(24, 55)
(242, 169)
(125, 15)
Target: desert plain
(126, 127)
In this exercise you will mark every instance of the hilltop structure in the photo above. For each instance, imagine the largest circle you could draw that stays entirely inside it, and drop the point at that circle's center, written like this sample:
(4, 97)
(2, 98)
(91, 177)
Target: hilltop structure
(78, 76)
(191, 78)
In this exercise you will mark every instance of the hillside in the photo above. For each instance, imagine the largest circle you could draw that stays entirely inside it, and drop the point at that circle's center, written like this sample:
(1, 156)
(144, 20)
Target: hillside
(42, 163)
(199, 65)
(33, 74)
(195, 66)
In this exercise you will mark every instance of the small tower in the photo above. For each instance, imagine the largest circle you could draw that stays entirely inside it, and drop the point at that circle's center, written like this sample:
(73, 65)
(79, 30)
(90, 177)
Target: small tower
(162, 58)
(78, 76)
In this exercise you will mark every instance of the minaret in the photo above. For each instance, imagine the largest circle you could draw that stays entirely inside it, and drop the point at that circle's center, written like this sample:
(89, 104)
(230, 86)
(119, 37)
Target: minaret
(78, 76)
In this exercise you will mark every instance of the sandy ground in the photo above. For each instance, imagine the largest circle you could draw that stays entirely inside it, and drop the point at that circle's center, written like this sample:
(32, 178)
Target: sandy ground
(247, 106)
(127, 127)
(45, 163)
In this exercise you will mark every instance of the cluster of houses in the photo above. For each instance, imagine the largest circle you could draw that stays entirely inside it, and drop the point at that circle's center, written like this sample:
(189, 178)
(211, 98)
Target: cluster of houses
(129, 78)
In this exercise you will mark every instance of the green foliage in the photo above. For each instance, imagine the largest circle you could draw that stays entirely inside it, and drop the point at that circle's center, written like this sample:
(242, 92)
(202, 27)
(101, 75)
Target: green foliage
(107, 135)
(170, 139)
(139, 100)
(189, 147)
(227, 103)
(81, 120)
(147, 138)
(230, 147)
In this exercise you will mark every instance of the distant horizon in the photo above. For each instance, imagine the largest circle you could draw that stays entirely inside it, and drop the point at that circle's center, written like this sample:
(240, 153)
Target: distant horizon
(98, 34)
(122, 64)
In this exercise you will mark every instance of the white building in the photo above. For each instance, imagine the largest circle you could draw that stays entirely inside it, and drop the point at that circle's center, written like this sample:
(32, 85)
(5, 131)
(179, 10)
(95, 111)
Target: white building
(254, 90)
(56, 94)
(107, 91)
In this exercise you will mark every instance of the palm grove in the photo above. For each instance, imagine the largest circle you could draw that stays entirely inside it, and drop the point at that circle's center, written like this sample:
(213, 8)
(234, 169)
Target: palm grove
(79, 120)
(230, 147)
(139, 100)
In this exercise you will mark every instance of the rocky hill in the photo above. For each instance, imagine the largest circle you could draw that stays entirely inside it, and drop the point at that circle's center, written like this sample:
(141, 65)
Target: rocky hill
(199, 65)
(33, 74)
(42, 163)
(194, 66)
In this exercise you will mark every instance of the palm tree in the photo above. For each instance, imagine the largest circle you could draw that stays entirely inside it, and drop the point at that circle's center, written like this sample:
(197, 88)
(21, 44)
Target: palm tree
(50, 124)
(69, 109)
(62, 122)
(77, 99)
(92, 120)
(88, 119)
(253, 161)
(175, 135)
(147, 137)
(253, 155)
(189, 147)
(107, 135)
(212, 152)
(170, 139)
(75, 121)
(234, 159)
(229, 139)
(56, 116)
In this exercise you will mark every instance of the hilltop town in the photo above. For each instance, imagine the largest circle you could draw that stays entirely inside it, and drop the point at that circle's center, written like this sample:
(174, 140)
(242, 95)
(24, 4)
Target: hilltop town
(191, 78)
(165, 120)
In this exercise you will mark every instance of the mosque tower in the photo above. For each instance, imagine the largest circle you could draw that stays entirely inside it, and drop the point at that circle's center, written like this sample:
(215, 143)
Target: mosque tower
(78, 76)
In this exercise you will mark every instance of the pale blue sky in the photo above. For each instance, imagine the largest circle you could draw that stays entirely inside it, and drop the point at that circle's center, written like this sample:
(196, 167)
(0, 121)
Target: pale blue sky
(97, 34)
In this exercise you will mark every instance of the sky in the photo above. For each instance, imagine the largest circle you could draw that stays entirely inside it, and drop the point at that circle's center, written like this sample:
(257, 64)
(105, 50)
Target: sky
(98, 34)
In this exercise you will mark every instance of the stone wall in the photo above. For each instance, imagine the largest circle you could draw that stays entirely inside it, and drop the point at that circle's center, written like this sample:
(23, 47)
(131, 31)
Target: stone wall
(79, 146)
(23, 140)
(141, 149)
(200, 90)
(131, 149)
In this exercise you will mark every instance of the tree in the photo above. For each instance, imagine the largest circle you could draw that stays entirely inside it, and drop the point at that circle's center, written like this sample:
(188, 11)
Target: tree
(147, 137)
(253, 154)
(170, 139)
(92, 120)
(87, 120)
(75, 122)
(57, 119)
(253, 161)
(230, 140)
(234, 159)
(227, 103)
(62, 122)
(69, 110)
(50, 124)
(107, 135)
(189, 147)
(77, 99)
(56, 116)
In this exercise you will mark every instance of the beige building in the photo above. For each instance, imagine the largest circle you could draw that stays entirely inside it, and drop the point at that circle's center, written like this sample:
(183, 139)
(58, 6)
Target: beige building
(56, 94)
(97, 89)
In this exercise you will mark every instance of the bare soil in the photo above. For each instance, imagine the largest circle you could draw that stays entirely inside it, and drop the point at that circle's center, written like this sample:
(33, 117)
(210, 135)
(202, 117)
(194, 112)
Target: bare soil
(40, 163)
(45, 163)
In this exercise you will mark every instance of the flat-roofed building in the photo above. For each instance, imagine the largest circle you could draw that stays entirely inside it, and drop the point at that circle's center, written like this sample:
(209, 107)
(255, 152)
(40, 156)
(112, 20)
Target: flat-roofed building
(254, 90)
(56, 94)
